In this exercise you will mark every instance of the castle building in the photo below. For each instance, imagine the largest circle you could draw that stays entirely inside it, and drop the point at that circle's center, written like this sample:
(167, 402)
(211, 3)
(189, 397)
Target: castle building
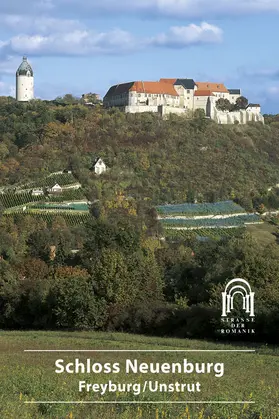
(139, 96)
(24, 82)
(180, 96)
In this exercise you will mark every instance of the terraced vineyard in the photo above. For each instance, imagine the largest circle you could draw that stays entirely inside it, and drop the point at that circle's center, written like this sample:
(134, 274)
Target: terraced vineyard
(230, 221)
(22, 194)
(11, 200)
(203, 233)
(61, 178)
(71, 219)
(68, 195)
(71, 204)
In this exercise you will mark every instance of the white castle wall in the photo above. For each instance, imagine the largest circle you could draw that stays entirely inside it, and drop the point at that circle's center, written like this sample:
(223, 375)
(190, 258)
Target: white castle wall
(162, 110)
(206, 103)
(167, 110)
(242, 116)
(140, 109)
(24, 88)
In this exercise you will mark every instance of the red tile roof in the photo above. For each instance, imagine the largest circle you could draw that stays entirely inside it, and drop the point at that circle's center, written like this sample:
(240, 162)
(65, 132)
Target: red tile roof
(170, 81)
(153, 87)
(214, 87)
(204, 93)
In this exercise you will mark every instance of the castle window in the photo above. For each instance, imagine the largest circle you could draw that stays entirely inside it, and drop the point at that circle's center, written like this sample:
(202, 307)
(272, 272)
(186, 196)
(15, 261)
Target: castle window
(188, 91)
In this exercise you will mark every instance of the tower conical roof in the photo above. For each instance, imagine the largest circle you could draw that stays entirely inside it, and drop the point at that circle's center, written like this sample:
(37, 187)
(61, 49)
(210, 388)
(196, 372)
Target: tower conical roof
(24, 68)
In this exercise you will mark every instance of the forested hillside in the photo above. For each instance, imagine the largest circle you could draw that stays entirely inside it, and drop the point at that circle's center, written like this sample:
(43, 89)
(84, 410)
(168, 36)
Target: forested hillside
(173, 160)
(109, 268)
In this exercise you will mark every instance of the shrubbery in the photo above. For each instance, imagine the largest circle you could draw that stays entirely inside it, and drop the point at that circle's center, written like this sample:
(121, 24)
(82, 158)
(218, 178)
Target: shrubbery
(120, 281)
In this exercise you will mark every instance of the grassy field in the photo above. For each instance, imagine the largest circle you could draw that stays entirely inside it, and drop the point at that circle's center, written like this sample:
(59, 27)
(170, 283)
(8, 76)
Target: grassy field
(30, 377)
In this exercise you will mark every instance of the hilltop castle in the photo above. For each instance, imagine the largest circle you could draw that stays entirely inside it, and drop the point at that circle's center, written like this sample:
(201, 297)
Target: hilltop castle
(180, 96)
(24, 82)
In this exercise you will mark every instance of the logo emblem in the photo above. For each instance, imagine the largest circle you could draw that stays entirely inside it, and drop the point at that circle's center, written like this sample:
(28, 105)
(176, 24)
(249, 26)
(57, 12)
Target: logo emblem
(238, 286)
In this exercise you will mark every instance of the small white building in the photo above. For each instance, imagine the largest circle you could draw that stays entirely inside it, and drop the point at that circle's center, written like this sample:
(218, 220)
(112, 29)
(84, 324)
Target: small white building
(255, 108)
(24, 82)
(55, 189)
(219, 90)
(37, 192)
(99, 166)
(234, 95)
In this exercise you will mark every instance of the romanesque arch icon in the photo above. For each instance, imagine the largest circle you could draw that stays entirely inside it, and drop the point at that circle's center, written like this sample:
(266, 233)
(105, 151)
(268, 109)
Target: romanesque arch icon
(238, 286)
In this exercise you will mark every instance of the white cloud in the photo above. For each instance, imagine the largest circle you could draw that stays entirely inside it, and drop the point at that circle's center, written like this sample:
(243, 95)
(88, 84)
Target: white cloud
(182, 36)
(78, 42)
(40, 24)
(173, 8)
(273, 91)
(6, 89)
(27, 7)
(8, 66)
(87, 42)
(262, 74)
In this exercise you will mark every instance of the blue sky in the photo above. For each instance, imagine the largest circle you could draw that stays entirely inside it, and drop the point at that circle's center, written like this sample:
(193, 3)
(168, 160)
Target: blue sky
(78, 46)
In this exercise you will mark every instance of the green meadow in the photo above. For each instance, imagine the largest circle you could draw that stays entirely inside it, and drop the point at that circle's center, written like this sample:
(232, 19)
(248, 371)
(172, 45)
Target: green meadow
(29, 377)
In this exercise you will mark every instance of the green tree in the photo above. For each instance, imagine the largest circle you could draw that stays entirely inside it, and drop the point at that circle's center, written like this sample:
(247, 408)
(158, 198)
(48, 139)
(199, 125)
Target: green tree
(91, 98)
(223, 104)
(241, 103)
(68, 99)
(74, 304)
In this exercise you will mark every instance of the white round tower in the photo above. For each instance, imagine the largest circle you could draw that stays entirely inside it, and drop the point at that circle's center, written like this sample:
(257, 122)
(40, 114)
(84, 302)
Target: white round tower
(24, 82)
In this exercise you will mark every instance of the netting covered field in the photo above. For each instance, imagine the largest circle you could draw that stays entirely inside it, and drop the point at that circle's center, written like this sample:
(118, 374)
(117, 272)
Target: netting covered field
(217, 208)
(73, 206)
(204, 221)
